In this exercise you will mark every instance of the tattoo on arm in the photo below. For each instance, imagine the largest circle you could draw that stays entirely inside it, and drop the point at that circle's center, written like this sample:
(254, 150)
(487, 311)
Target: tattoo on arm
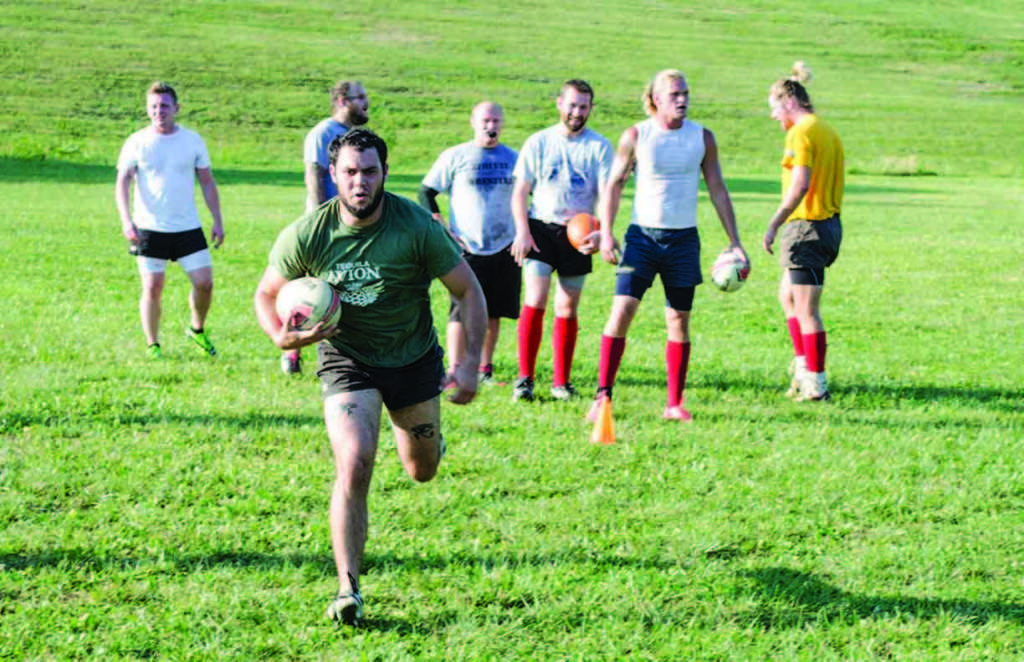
(423, 431)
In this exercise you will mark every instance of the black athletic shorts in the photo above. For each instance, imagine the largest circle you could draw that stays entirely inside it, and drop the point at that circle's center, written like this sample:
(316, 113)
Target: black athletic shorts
(501, 280)
(168, 245)
(553, 248)
(399, 387)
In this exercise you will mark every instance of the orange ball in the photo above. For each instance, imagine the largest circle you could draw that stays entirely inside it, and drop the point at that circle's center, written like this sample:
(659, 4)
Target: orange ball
(580, 227)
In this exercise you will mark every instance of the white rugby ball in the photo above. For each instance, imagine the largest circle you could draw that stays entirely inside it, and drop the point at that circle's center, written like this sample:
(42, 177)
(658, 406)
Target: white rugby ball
(305, 302)
(729, 272)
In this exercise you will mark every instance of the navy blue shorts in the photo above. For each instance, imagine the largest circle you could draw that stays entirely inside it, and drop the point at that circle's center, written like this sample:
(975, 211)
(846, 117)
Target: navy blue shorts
(674, 255)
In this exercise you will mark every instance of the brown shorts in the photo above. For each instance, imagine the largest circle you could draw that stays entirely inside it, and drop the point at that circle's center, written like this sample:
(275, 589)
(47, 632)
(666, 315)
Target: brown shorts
(811, 245)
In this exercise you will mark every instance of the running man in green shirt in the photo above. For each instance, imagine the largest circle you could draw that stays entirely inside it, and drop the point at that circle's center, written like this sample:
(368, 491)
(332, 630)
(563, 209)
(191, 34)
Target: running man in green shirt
(380, 252)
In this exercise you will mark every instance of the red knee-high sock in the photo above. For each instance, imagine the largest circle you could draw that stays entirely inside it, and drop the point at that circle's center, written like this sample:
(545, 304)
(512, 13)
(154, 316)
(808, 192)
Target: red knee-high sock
(795, 335)
(563, 346)
(677, 360)
(814, 348)
(530, 329)
(612, 350)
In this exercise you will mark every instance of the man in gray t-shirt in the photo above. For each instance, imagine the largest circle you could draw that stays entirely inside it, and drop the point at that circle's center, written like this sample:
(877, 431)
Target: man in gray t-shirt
(559, 173)
(477, 176)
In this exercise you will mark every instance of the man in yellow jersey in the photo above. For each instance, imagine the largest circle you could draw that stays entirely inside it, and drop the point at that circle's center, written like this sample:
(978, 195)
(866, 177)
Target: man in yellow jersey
(812, 185)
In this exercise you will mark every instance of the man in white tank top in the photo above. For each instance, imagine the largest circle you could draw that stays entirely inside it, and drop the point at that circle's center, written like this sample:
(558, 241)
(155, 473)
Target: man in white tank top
(670, 154)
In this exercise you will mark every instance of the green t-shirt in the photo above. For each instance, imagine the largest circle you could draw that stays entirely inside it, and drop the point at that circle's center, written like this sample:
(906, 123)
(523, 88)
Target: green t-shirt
(381, 272)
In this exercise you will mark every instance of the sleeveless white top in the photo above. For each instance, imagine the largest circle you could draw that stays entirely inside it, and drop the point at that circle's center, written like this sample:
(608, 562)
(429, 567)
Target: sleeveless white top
(667, 173)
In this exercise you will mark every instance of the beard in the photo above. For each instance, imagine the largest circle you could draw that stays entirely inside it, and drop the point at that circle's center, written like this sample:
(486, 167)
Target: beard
(366, 211)
(358, 117)
(575, 124)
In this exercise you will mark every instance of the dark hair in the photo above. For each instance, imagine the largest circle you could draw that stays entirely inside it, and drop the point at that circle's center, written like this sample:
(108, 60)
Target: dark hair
(341, 89)
(581, 86)
(160, 87)
(361, 140)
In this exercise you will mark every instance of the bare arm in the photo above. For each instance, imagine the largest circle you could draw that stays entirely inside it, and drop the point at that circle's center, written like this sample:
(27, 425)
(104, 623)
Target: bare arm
(464, 288)
(123, 199)
(611, 197)
(711, 169)
(798, 186)
(315, 193)
(266, 314)
(212, 197)
(523, 242)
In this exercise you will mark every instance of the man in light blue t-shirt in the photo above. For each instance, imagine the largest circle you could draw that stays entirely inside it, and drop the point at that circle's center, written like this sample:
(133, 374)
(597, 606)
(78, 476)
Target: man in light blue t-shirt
(350, 108)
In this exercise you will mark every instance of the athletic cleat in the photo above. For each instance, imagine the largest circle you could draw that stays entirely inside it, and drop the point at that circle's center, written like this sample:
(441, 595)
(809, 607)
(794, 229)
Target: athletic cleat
(202, 340)
(595, 406)
(823, 396)
(797, 370)
(813, 388)
(153, 352)
(291, 363)
(346, 609)
(486, 376)
(677, 413)
(523, 389)
(564, 392)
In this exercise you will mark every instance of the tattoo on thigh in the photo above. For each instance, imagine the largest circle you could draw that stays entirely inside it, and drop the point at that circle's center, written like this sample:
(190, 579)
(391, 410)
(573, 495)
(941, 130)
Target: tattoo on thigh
(346, 408)
(423, 431)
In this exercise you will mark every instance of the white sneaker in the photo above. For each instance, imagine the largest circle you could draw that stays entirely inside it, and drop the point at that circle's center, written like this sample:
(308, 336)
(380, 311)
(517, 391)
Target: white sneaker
(797, 370)
(564, 392)
(814, 388)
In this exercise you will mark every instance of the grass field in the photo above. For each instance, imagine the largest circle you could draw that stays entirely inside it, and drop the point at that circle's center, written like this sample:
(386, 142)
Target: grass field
(178, 511)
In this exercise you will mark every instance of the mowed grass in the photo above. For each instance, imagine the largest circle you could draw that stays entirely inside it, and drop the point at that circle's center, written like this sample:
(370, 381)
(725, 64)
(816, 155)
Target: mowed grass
(177, 511)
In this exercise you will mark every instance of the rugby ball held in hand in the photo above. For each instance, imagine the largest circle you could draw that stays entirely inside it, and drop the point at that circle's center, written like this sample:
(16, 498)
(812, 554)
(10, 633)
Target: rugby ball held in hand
(305, 302)
(580, 227)
(729, 272)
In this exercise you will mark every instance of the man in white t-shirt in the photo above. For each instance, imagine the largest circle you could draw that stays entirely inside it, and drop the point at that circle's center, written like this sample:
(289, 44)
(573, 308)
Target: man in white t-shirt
(350, 108)
(161, 221)
(477, 175)
(562, 168)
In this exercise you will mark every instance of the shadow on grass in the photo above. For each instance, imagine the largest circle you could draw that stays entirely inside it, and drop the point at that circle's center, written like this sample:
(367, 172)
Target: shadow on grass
(12, 422)
(795, 600)
(789, 599)
(15, 170)
(80, 558)
(21, 170)
(853, 396)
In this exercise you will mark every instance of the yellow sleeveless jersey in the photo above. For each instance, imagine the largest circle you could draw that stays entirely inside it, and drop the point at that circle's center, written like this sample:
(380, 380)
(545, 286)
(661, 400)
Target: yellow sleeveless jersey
(813, 143)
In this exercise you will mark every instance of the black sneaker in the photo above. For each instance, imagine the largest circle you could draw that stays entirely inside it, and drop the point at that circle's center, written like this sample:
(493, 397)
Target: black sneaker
(347, 609)
(523, 389)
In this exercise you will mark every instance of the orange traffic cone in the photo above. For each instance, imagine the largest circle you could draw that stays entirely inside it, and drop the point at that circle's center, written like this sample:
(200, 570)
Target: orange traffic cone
(604, 426)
